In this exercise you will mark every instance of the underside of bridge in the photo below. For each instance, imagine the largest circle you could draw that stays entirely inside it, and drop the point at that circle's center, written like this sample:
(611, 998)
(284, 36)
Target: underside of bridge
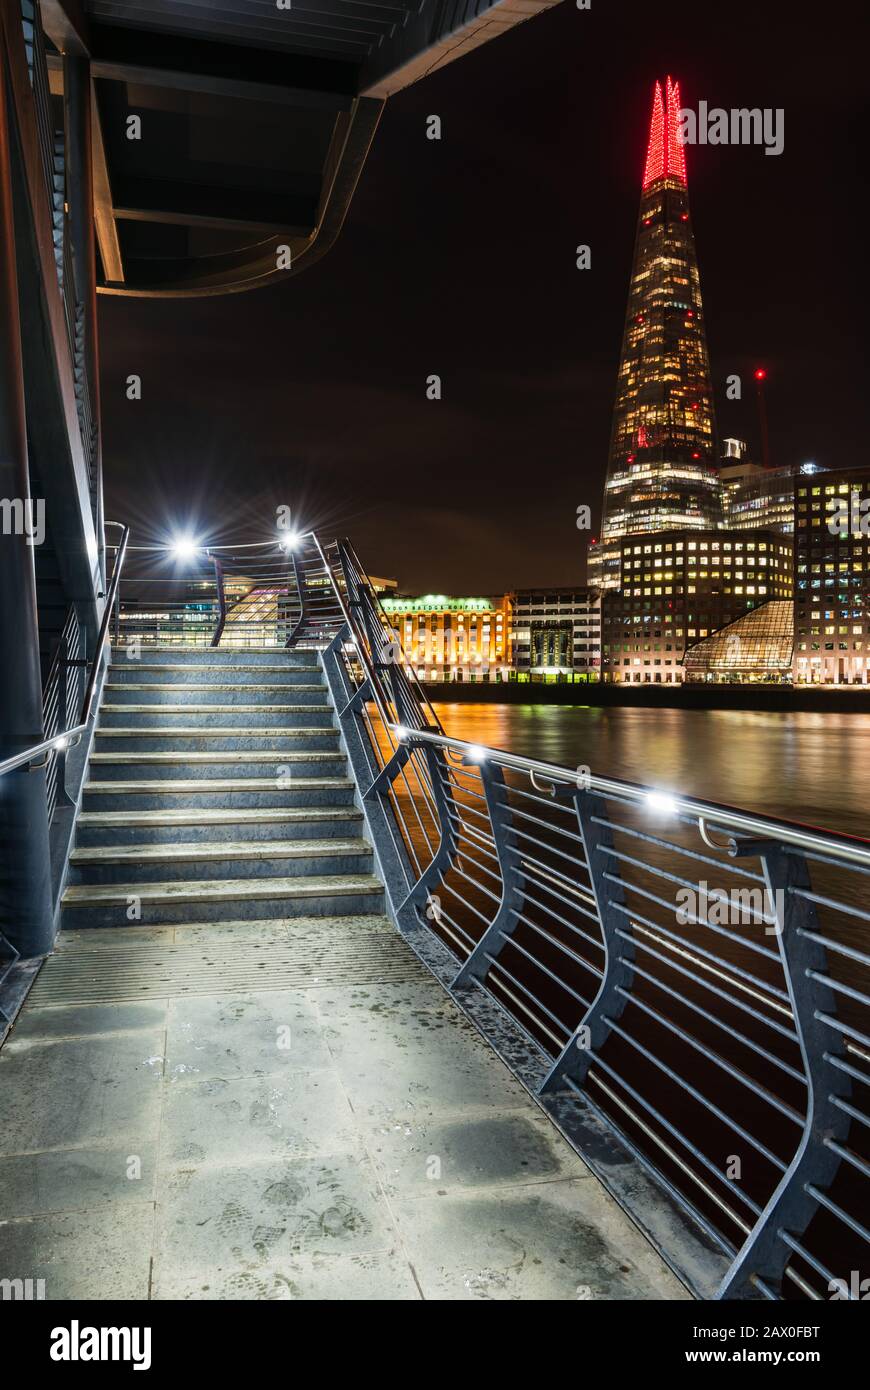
(251, 123)
(150, 148)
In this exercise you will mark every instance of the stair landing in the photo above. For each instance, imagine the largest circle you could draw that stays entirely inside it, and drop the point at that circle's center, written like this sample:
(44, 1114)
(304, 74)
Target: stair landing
(285, 1109)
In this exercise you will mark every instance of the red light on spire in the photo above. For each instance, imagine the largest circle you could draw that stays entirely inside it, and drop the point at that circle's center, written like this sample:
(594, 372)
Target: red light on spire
(676, 154)
(655, 154)
(665, 155)
(760, 374)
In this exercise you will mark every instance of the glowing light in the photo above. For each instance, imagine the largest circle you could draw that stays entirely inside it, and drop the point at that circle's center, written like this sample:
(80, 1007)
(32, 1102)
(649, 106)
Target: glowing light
(665, 156)
(61, 743)
(676, 153)
(401, 733)
(288, 540)
(655, 154)
(661, 801)
(760, 374)
(184, 547)
(475, 754)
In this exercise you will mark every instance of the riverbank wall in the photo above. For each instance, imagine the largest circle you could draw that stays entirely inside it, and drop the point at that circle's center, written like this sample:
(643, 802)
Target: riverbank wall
(823, 700)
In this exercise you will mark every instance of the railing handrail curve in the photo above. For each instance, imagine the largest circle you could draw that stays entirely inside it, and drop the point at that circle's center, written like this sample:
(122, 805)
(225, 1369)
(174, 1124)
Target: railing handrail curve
(65, 740)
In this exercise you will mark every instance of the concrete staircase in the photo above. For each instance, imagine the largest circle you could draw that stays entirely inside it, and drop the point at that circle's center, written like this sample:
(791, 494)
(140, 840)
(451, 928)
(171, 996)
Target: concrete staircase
(217, 791)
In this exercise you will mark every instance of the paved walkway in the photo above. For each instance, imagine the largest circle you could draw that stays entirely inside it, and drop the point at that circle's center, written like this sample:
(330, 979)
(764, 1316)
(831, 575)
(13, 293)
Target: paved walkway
(171, 1128)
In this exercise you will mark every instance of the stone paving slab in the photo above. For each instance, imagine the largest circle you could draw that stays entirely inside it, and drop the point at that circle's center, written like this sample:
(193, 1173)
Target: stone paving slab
(354, 1141)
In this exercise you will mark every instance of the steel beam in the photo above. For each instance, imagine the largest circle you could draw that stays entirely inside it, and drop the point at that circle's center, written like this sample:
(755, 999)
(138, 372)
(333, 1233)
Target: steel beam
(197, 65)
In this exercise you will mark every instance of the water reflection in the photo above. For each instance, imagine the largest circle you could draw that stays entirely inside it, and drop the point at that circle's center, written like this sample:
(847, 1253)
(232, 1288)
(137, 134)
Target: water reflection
(808, 767)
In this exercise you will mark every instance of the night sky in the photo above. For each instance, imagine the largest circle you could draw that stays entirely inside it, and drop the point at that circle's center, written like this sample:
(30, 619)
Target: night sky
(458, 258)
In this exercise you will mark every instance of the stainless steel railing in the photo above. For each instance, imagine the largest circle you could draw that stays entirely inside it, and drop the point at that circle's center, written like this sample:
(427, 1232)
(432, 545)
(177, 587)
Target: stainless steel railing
(684, 986)
(61, 729)
(230, 596)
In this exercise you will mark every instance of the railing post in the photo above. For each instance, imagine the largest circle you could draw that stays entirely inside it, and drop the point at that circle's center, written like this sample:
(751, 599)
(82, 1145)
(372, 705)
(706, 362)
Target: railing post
(445, 854)
(221, 598)
(503, 924)
(593, 1028)
(792, 1206)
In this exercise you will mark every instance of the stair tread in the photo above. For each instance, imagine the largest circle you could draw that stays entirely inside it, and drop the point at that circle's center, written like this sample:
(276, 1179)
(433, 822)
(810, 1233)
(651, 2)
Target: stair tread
(207, 666)
(218, 849)
(204, 816)
(226, 755)
(216, 784)
(211, 709)
(180, 731)
(226, 889)
(209, 686)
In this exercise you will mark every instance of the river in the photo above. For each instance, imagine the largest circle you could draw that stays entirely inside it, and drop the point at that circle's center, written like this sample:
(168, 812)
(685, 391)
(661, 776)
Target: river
(814, 768)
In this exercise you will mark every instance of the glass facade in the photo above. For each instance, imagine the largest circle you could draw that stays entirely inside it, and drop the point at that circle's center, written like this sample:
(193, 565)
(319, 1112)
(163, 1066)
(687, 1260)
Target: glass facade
(662, 467)
(757, 647)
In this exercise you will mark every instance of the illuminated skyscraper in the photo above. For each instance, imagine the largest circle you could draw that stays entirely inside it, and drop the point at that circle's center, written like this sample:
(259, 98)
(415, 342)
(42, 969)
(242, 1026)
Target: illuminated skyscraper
(662, 472)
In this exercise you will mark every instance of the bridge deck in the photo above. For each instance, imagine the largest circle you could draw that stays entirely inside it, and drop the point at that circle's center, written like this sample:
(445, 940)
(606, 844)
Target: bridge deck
(311, 1117)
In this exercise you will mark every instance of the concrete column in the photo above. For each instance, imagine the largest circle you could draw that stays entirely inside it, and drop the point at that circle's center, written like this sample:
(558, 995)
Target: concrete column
(25, 891)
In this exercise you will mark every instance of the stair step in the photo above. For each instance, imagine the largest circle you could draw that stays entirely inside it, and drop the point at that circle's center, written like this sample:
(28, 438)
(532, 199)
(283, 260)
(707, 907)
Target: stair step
(227, 740)
(216, 860)
(297, 677)
(313, 694)
(210, 666)
(222, 792)
(198, 824)
(219, 763)
(108, 819)
(209, 709)
(179, 731)
(107, 904)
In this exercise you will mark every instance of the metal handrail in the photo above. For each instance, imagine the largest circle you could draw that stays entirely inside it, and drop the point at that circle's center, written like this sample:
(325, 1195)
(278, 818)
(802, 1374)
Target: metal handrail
(550, 902)
(73, 736)
(808, 839)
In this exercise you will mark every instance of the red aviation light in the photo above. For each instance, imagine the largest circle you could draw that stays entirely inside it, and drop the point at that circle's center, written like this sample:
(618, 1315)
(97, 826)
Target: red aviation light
(665, 156)
(760, 374)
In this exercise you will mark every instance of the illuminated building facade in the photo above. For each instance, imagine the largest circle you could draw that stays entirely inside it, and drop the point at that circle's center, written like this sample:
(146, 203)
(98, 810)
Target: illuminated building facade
(662, 466)
(453, 639)
(556, 634)
(832, 578)
(677, 587)
(756, 498)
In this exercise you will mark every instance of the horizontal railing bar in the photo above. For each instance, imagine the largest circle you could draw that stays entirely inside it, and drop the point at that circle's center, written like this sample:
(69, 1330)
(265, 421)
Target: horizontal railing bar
(674, 1192)
(839, 987)
(837, 1211)
(698, 1096)
(717, 1023)
(693, 920)
(502, 970)
(559, 945)
(539, 965)
(557, 916)
(638, 941)
(860, 956)
(724, 817)
(737, 970)
(693, 1150)
(710, 1056)
(853, 1159)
